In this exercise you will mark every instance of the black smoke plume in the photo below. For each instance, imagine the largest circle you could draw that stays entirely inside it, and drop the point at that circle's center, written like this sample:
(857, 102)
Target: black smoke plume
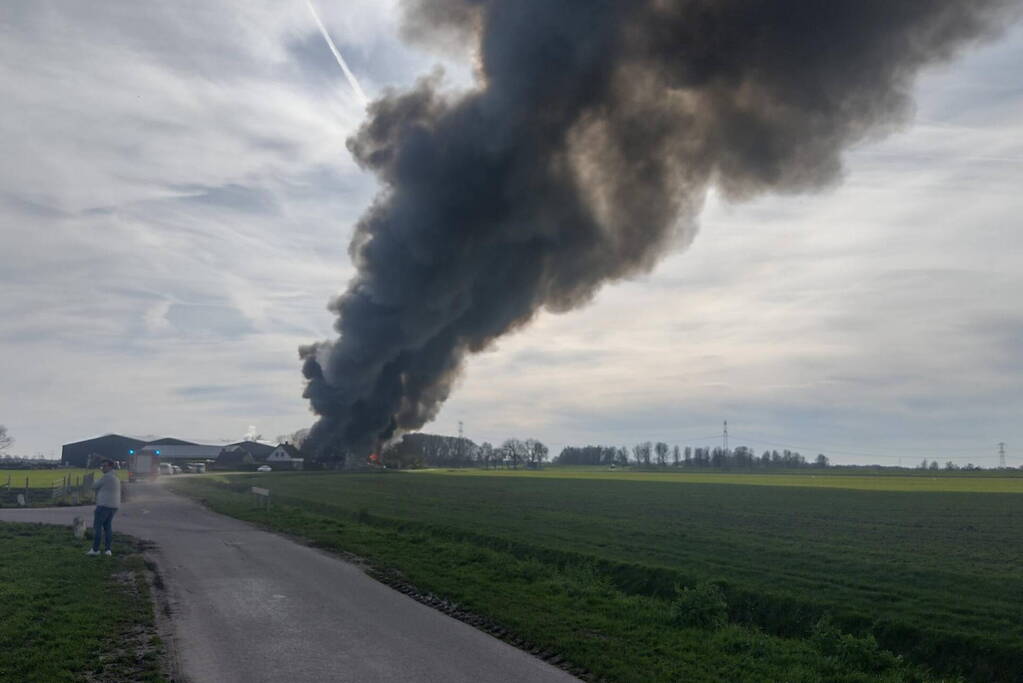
(587, 149)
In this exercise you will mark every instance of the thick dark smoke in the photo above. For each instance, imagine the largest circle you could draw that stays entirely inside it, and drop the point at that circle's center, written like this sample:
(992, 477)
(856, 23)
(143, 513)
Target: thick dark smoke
(586, 150)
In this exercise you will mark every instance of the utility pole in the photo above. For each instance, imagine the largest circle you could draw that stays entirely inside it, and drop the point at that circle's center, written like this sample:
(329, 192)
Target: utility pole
(1001, 454)
(461, 443)
(724, 437)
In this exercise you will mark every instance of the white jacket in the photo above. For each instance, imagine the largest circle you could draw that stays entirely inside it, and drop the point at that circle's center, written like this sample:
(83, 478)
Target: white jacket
(108, 490)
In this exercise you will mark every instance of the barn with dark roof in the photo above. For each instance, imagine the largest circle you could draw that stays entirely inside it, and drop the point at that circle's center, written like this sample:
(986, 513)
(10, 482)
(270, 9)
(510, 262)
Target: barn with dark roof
(112, 446)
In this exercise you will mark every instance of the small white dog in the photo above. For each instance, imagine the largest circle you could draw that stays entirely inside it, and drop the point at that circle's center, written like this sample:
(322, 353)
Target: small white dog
(78, 527)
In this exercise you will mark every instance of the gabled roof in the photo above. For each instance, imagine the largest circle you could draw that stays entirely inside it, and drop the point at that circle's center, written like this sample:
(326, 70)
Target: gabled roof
(256, 448)
(106, 437)
(170, 441)
(234, 457)
(289, 449)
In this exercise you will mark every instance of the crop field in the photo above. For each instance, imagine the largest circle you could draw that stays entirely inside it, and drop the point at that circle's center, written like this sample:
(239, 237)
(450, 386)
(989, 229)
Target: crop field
(928, 569)
(906, 480)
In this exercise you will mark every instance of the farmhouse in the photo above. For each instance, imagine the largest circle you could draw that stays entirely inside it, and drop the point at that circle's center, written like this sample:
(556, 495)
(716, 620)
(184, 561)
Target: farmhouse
(243, 453)
(285, 456)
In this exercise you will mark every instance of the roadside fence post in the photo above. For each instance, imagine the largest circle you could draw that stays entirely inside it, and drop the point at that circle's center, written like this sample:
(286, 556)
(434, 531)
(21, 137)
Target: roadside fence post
(261, 497)
(86, 487)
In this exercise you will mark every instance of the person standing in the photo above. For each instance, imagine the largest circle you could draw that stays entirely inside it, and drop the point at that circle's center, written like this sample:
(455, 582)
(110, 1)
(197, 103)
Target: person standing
(108, 499)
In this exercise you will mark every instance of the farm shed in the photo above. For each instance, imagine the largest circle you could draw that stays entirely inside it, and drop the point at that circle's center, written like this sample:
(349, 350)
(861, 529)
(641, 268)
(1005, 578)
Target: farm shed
(112, 446)
(184, 452)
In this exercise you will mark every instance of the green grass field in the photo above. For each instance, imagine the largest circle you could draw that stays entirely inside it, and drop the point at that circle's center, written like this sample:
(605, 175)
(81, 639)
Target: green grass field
(46, 478)
(42, 482)
(933, 575)
(68, 617)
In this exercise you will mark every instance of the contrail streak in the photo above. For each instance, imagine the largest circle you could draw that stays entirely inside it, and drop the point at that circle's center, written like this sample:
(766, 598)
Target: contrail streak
(337, 55)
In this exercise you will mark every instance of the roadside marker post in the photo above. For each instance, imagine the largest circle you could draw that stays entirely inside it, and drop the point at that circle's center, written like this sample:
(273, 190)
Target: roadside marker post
(262, 497)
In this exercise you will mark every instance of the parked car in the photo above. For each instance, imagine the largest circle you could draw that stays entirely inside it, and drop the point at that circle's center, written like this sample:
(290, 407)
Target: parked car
(264, 468)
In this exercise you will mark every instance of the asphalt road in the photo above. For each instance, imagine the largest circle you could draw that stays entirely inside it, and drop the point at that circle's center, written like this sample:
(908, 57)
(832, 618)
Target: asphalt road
(248, 605)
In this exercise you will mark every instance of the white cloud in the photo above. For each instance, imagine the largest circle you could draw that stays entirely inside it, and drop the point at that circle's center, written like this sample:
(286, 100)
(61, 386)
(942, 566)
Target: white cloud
(175, 209)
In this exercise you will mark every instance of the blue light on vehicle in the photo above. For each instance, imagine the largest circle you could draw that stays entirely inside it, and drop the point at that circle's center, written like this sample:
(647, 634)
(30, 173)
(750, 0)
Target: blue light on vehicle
(158, 452)
(131, 451)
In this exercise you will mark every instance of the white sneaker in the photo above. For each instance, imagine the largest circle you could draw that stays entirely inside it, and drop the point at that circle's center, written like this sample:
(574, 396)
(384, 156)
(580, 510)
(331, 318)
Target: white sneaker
(92, 552)
(108, 553)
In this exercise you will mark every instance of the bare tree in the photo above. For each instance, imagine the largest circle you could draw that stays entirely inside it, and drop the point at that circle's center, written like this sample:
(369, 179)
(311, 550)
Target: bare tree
(515, 450)
(5, 439)
(537, 452)
(661, 449)
(485, 454)
(642, 452)
(296, 438)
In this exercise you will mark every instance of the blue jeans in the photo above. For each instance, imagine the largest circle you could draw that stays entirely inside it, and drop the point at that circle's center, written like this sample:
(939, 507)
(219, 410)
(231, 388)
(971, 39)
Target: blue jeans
(101, 523)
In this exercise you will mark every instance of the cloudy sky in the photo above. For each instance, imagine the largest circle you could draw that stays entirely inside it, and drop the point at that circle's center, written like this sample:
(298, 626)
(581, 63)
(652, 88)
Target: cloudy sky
(176, 201)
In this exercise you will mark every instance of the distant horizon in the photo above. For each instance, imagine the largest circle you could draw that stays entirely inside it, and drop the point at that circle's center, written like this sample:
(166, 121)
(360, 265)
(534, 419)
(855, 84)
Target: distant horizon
(909, 461)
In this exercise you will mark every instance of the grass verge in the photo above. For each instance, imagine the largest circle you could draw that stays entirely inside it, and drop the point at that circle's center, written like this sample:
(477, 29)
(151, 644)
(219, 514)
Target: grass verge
(70, 617)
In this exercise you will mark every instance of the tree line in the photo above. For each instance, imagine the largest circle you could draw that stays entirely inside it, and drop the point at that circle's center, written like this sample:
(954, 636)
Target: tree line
(660, 454)
(933, 465)
(434, 450)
